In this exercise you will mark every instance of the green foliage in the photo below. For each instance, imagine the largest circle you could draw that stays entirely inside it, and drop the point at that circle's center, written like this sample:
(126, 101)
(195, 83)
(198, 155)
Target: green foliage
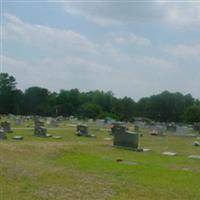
(124, 108)
(104, 115)
(192, 114)
(90, 110)
(36, 100)
(7, 93)
(166, 106)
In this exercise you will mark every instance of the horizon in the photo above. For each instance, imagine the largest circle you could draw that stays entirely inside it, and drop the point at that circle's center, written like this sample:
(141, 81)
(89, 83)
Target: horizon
(81, 91)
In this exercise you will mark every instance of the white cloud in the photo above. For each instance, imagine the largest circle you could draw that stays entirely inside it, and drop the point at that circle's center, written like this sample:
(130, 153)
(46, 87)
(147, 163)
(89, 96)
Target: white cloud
(185, 51)
(51, 39)
(128, 38)
(133, 78)
(71, 60)
(120, 12)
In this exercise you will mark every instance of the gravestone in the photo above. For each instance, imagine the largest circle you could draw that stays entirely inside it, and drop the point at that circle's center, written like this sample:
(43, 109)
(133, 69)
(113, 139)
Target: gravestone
(157, 131)
(90, 121)
(18, 137)
(196, 127)
(194, 156)
(6, 127)
(2, 134)
(171, 127)
(59, 118)
(126, 139)
(196, 143)
(18, 121)
(82, 130)
(136, 128)
(182, 130)
(54, 123)
(100, 123)
(39, 129)
(57, 137)
(168, 153)
(118, 127)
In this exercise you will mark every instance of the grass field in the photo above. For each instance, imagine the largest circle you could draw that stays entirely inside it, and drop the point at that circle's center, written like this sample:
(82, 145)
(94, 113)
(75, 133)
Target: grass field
(86, 168)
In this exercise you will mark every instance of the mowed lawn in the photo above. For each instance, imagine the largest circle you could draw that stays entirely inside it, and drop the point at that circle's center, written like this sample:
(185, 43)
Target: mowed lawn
(86, 168)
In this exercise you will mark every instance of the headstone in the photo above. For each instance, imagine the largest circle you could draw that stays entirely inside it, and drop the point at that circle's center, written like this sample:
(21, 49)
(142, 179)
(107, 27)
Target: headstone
(18, 121)
(118, 127)
(157, 131)
(107, 139)
(6, 127)
(60, 118)
(136, 128)
(154, 132)
(109, 121)
(169, 153)
(90, 121)
(48, 135)
(194, 156)
(54, 123)
(146, 150)
(196, 143)
(126, 139)
(18, 137)
(171, 127)
(57, 137)
(182, 130)
(82, 130)
(100, 123)
(2, 134)
(196, 127)
(39, 129)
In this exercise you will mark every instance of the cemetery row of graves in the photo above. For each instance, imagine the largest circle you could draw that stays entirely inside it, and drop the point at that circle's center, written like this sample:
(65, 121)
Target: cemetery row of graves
(68, 158)
(125, 134)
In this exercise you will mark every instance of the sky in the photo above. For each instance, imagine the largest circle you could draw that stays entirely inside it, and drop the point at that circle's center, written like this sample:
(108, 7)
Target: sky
(132, 48)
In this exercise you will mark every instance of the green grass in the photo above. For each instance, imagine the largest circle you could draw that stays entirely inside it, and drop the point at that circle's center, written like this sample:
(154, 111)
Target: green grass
(86, 169)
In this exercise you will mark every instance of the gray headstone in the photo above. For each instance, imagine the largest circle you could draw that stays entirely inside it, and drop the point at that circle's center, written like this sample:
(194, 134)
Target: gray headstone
(18, 137)
(2, 135)
(6, 127)
(167, 153)
(126, 139)
(118, 127)
(39, 129)
(82, 130)
(171, 127)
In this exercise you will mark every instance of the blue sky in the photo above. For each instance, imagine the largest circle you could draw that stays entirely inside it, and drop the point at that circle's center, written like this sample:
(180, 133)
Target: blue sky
(133, 48)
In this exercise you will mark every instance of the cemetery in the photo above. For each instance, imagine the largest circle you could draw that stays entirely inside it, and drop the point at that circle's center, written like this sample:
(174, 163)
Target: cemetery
(53, 168)
(100, 100)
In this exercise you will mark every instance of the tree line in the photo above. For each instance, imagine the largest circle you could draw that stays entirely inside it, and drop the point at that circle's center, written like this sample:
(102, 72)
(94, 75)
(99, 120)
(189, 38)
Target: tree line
(164, 107)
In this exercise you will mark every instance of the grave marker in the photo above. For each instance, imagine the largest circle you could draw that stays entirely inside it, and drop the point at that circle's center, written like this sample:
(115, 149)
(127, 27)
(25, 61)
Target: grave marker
(39, 129)
(2, 135)
(124, 138)
(6, 127)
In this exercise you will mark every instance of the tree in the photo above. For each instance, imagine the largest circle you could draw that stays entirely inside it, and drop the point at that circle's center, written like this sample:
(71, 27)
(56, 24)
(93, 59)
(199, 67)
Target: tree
(36, 101)
(165, 106)
(90, 110)
(192, 114)
(124, 108)
(7, 92)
